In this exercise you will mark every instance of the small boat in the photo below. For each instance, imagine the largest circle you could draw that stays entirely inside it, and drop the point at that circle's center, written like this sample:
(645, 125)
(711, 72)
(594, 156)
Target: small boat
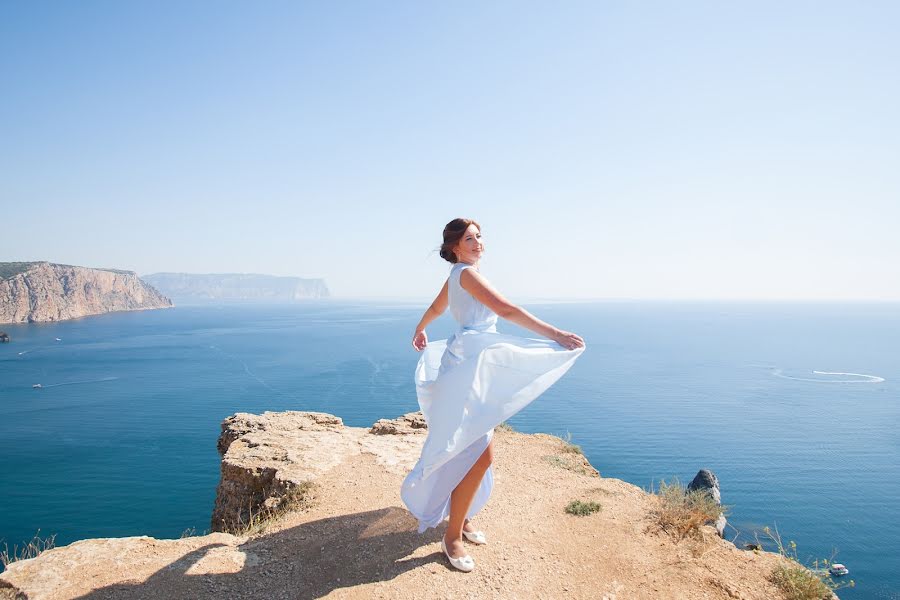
(37, 386)
(838, 570)
(58, 339)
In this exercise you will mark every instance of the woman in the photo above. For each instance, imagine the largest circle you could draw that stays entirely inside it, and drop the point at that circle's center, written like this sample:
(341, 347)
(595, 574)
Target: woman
(469, 384)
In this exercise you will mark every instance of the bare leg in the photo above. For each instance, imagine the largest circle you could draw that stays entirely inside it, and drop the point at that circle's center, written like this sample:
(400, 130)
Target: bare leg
(461, 500)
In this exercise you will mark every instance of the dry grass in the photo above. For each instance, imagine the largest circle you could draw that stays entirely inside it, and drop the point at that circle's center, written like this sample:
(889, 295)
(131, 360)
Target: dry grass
(300, 497)
(30, 549)
(682, 513)
(569, 447)
(564, 462)
(798, 582)
(192, 532)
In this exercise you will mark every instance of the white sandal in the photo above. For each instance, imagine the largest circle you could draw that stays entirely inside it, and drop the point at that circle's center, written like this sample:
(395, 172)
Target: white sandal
(476, 537)
(463, 563)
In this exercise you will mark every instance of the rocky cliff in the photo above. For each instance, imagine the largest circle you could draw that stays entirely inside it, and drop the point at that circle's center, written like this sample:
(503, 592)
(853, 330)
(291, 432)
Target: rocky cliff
(314, 510)
(190, 287)
(42, 291)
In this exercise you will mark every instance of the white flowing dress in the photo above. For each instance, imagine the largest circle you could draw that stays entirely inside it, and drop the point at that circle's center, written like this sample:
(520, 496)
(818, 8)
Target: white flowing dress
(467, 385)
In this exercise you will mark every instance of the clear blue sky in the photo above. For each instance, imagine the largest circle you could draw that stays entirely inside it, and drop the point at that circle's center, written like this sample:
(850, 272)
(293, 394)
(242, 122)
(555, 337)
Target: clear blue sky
(609, 149)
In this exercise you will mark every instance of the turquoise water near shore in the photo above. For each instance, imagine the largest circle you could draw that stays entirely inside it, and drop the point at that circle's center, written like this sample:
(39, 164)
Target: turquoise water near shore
(794, 406)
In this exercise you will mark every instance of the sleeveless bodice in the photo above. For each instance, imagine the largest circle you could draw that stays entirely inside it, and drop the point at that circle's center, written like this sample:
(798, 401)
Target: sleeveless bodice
(470, 314)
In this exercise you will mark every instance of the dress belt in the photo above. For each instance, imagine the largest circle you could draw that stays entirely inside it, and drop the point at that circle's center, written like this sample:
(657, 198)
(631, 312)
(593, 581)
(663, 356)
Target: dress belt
(479, 328)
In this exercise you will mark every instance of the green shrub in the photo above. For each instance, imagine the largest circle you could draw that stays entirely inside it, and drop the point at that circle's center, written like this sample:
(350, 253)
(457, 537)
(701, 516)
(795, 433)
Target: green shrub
(8, 270)
(582, 509)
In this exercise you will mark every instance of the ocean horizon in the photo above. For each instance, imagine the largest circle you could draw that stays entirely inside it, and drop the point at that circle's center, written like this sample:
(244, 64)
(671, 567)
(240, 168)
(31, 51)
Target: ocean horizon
(793, 404)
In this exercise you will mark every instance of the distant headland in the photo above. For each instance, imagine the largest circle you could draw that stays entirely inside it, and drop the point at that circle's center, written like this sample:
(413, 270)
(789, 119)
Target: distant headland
(236, 286)
(41, 291)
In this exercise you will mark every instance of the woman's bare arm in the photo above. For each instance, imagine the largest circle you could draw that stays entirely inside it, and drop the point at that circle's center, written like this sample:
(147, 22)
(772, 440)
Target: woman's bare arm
(437, 308)
(473, 282)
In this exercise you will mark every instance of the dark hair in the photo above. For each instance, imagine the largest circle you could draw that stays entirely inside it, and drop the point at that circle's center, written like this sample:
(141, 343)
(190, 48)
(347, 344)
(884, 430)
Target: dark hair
(453, 232)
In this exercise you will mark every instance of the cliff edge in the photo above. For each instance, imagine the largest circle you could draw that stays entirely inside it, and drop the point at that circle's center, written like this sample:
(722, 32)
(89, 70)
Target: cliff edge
(316, 510)
(42, 291)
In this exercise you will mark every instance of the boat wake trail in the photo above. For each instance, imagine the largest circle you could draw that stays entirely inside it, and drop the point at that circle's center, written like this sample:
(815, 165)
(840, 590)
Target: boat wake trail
(249, 373)
(857, 377)
(80, 382)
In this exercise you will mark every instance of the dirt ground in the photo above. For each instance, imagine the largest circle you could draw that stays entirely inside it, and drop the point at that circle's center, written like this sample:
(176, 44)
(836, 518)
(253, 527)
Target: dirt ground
(357, 541)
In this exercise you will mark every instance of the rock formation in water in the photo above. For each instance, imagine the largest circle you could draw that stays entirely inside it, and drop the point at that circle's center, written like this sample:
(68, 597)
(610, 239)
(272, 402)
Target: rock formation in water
(350, 537)
(707, 482)
(193, 287)
(41, 291)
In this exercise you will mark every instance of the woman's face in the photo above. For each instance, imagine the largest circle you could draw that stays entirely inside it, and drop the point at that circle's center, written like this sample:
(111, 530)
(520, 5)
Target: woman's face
(469, 248)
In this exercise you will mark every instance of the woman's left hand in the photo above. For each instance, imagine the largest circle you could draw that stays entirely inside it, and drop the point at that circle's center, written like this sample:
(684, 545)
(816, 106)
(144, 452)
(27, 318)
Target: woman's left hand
(568, 340)
(420, 340)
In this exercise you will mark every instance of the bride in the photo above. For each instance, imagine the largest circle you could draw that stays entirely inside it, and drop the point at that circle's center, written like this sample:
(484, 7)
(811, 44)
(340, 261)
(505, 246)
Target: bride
(470, 383)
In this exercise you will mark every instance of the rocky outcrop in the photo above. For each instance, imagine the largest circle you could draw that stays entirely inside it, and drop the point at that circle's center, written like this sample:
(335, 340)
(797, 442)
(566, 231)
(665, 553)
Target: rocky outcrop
(266, 457)
(42, 291)
(706, 481)
(410, 423)
(186, 287)
(355, 540)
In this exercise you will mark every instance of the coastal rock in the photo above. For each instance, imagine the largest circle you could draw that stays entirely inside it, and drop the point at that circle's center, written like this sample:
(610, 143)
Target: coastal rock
(42, 291)
(355, 540)
(265, 457)
(707, 481)
(187, 287)
(410, 423)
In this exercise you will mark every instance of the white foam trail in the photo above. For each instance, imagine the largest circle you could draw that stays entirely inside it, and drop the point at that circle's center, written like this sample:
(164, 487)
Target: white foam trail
(862, 377)
(80, 382)
(247, 370)
(31, 350)
(868, 378)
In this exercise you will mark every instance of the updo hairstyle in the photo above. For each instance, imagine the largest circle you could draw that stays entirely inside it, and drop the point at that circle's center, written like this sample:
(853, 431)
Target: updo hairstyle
(453, 232)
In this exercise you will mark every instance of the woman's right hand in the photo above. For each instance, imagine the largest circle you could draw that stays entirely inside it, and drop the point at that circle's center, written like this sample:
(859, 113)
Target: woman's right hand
(420, 340)
(568, 340)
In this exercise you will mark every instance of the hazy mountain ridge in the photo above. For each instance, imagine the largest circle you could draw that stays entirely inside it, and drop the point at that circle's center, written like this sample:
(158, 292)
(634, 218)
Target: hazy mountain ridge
(236, 286)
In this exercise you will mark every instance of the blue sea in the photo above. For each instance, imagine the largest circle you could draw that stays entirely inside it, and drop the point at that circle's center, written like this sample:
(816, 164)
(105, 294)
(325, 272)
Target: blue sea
(793, 405)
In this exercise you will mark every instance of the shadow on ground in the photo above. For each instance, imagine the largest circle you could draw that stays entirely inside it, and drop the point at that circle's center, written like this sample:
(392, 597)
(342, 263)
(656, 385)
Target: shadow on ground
(306, 561)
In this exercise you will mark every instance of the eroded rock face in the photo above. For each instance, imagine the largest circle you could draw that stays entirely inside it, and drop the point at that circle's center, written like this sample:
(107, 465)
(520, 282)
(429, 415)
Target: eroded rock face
(51, 292)
(265, 457)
